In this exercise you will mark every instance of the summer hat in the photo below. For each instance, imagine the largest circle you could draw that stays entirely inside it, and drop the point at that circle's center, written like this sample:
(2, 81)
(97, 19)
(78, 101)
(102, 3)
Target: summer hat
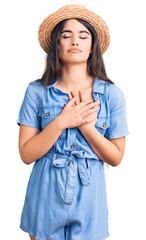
(73, 11)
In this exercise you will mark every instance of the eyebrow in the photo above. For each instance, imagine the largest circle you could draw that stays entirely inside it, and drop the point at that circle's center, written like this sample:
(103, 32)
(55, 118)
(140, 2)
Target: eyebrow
(69, 31)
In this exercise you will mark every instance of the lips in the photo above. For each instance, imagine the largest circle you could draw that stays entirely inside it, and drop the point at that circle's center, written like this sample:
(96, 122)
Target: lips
(74, 50)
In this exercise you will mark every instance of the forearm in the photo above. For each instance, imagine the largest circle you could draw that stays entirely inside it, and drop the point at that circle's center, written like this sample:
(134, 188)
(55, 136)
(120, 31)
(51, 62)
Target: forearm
(103, 148)
(40, 144)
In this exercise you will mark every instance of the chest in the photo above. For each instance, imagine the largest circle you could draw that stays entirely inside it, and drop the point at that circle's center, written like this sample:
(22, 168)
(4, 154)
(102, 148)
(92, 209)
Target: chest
(54, 102)
(84, 94)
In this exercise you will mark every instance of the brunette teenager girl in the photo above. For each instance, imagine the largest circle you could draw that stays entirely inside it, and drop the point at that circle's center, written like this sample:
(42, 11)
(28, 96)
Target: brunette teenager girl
(72, 121)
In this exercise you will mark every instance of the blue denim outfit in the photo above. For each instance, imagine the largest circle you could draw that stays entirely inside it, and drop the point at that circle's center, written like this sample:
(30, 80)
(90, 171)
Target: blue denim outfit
(66, 193)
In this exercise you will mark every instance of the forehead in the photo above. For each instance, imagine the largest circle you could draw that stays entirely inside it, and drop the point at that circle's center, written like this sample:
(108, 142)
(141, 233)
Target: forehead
(73, 24)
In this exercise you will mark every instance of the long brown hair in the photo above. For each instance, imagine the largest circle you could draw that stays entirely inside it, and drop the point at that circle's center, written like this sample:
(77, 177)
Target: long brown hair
(95, 63)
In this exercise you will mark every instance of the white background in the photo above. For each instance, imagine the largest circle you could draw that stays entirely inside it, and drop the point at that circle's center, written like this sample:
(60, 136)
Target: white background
(22, 61)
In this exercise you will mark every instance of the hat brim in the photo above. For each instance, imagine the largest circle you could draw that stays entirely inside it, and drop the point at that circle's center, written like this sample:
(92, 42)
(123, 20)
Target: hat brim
(49, 23)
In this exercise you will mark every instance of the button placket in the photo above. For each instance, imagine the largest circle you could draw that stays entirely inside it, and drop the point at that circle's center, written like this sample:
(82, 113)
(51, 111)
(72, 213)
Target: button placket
(97, 96)
(73, 138)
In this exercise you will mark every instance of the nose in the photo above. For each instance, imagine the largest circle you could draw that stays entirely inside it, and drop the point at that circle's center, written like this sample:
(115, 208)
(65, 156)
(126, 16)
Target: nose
(74, 41)
(74, 44)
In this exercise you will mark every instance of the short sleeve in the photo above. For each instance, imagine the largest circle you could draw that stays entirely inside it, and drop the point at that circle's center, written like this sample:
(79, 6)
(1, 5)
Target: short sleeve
(118, 121)
(28, 113)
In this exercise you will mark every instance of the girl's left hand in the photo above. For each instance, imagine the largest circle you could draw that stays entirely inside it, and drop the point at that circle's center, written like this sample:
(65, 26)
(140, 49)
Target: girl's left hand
(94, 114)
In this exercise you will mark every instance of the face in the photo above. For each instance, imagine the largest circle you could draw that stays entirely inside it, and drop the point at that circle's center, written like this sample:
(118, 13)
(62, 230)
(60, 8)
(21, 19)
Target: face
(75, 42)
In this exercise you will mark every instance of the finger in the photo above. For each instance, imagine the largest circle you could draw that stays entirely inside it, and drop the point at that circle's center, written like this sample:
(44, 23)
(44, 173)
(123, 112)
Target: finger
(72, 101)
(82, 98)
(77, 101)
(73, 94)
(84, 105)
(98, 101)
(90, 111)
(93, 104)
(90, 119)
(70, 96)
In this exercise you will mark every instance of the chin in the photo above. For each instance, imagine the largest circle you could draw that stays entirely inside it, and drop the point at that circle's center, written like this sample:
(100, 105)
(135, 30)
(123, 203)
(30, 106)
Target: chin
(74, 61)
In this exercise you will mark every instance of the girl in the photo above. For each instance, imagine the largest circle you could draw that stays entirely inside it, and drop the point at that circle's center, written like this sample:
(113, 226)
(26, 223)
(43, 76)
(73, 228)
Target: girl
(72, 120)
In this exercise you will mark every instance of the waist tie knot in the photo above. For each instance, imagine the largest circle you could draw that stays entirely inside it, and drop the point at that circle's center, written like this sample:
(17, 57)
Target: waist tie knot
(66, 177)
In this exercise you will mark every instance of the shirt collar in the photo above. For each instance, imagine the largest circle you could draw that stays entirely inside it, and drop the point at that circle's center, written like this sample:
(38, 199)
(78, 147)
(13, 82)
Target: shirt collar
(97, 86)
(52, 84)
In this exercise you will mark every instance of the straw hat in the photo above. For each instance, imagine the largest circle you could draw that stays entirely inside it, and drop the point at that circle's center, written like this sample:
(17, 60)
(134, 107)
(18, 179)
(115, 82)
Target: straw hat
(73, 11)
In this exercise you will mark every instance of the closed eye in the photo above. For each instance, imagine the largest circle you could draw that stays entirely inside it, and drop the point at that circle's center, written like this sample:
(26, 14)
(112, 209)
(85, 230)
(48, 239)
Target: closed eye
(69, 37)
(65, 37)
(83, 37)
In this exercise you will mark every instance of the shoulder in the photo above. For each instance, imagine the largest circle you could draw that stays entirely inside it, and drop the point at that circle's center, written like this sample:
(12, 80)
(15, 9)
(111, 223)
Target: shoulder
(35, 91)
(113, 92)
(110, 90)
(115, 96)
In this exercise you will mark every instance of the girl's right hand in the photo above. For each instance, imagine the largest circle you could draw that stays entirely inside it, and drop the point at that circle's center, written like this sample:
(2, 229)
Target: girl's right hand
(73, 115)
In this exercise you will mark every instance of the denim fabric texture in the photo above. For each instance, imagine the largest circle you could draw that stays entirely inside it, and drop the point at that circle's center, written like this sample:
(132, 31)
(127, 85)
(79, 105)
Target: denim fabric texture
(66, 192)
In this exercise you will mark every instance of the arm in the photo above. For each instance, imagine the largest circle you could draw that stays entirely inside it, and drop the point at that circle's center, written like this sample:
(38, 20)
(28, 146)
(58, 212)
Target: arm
(108, 150)
(32, 146)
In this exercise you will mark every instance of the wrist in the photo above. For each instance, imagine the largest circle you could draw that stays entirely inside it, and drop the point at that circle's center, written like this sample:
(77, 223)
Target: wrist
(60, 123)
(86, 127)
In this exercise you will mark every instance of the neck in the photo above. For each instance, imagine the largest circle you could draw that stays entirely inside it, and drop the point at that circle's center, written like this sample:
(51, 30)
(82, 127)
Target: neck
(75, 76)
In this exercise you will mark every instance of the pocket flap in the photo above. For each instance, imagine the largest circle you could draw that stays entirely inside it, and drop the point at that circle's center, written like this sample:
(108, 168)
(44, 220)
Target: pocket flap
(49, 112)
(102, 122)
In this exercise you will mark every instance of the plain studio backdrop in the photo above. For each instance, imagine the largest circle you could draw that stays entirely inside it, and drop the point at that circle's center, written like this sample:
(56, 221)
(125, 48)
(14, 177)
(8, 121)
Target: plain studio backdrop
(22, 61)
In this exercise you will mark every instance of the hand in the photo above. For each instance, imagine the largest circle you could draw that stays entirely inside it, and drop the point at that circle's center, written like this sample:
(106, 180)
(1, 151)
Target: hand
(76, 114)
(92, 115)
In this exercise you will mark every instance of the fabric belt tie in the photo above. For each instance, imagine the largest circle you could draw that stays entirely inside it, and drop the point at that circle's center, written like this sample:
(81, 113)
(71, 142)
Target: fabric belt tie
(67, 175)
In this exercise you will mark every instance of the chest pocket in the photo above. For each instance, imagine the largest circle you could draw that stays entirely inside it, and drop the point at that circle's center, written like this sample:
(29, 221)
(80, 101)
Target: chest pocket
(47, 115)
(102, 124)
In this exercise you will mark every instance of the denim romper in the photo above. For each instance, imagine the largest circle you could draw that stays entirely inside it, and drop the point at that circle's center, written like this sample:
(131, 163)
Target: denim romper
(66, 192)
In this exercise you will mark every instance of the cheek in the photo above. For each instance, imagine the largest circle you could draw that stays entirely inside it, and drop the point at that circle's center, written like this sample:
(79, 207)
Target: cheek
(87, 51)
(62, 50)
(87, 48)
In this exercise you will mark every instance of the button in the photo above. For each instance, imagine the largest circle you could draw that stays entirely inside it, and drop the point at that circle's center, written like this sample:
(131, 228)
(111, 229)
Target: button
(72, 146)
(104, 125)
(47, 114)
